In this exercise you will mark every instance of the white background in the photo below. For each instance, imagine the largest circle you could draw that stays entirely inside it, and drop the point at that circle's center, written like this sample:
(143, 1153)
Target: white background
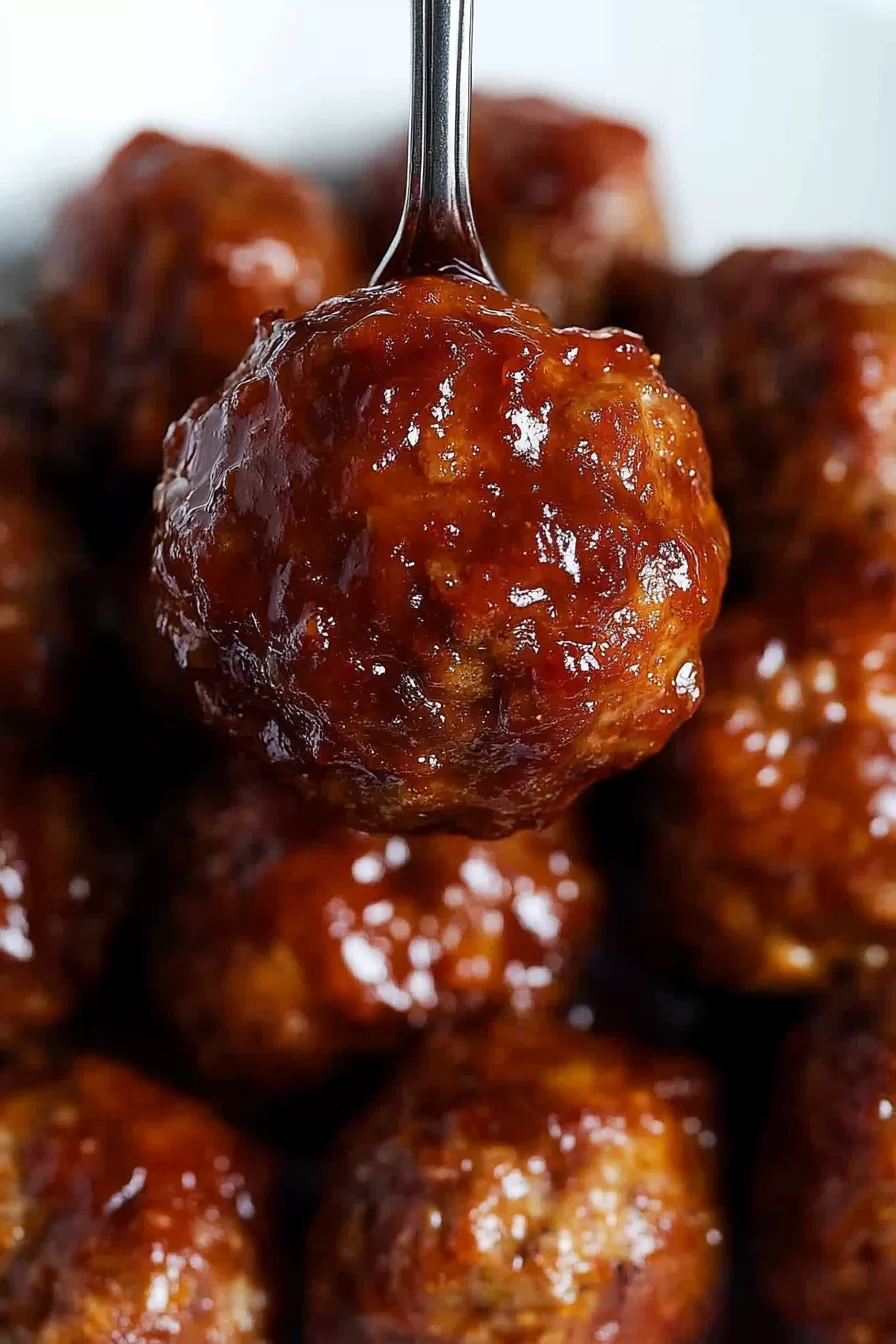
(775, 119)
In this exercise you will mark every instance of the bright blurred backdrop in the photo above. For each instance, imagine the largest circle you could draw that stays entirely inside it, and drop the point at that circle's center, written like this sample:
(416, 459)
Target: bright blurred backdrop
(774, 119)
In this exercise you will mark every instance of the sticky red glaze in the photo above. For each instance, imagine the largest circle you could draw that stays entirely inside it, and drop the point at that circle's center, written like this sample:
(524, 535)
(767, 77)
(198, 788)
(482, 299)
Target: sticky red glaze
(775, 821)
(62, 884)
(289, 944)
(154, 274)
(789, 359)
(559, 195)
(525, 1184)
(127, 1213)
(442, 565)
(826, 1232)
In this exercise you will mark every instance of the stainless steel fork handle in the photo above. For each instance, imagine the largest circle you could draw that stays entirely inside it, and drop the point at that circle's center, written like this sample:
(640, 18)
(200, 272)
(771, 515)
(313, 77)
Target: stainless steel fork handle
(437, 231)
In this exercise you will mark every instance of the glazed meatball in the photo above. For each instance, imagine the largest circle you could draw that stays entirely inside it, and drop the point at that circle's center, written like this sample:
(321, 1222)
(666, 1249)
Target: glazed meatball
(127, 1213)
(525, 1183)
(559, 195)
(43, 611)
(442, 565)
(826, 1233)
(789, 359)
(63, 880)
(288, 944)
(774, 811)
(153, 276)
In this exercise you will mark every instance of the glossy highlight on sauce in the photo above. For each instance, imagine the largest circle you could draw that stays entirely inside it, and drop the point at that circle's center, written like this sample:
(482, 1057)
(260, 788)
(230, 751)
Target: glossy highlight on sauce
(441, 565)
(520, 1184)
(788, 357)
(289, 944)
(63, 882)
(154, 274)
(127, 1212)
(775, 810)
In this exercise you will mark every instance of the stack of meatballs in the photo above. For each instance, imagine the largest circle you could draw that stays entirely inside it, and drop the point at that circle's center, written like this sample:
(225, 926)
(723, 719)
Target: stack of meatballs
(269, 1075)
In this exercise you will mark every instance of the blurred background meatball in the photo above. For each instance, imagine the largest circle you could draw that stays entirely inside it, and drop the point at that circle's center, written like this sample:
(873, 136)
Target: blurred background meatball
(789, 359)
(128, 1213)
(774, 811)
(288, 944)
(63, 880)
(154, 273)
(559, 194)
(438, 563)
(826, 1229)
(44, 612)
(524, 1183)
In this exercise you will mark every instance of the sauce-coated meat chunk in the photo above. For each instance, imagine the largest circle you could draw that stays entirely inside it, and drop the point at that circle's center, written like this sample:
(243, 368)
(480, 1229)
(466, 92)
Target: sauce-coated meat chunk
(826, 1226)
(442, 565)
(559, 195)
(527, 1184)
(127, 1213)
(774, 830)
(288, 944)
(62, 882)
(154, 274)
(789, 359)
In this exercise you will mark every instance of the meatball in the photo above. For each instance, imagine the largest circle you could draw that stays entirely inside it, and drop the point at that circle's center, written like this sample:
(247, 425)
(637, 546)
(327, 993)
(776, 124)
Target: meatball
(524, 1183)
(62, 883)
(559, 195)
(126, 1213)
(288, 944)
(153, 276)
(442, 565)
(774, 840)
(789, 358)
(42, 608)
(826, 1230)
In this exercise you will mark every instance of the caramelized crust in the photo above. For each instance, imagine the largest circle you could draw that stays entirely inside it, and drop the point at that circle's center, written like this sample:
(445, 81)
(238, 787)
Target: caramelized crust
(127, 1213)
(826, 1232)
(153, 276)
(559, 196)
(775, 808)
(523, 1184)
(288, 943)
(440, 564)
